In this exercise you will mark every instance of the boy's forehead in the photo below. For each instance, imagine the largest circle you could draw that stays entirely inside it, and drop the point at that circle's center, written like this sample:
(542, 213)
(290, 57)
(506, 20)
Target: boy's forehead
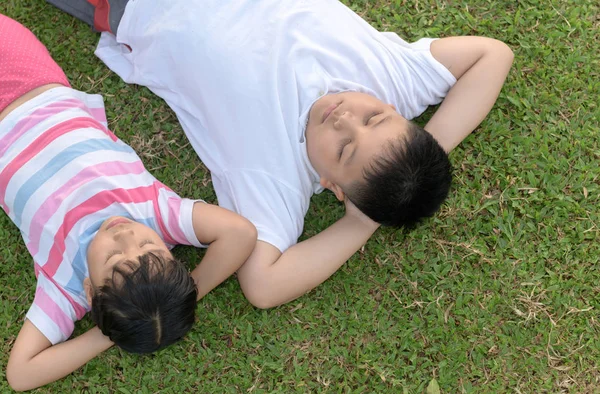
(379, 145)
(362, 98)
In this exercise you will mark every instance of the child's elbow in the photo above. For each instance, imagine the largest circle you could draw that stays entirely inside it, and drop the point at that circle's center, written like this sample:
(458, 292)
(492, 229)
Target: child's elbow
(504, 52)
(17, 386)
(245, 233)
(15, 380)
(508, 53)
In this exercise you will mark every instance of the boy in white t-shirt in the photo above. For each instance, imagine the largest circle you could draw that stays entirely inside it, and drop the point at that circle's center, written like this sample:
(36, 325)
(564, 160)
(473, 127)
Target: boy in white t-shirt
(283, 98)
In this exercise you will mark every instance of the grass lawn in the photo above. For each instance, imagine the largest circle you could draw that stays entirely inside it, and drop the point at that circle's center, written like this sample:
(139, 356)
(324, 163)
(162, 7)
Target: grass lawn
(499, 293)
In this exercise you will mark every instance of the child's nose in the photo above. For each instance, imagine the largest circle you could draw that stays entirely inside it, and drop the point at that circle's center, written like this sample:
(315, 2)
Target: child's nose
(123, 235)
(344, 120)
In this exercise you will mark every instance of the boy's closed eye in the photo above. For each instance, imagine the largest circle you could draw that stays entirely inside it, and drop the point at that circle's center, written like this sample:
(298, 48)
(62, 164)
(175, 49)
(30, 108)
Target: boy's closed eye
(368, 118)
(342, 146)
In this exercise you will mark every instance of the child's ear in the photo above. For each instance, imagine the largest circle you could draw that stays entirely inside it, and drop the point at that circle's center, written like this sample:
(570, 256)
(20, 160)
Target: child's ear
(89, 290)
(336, 189)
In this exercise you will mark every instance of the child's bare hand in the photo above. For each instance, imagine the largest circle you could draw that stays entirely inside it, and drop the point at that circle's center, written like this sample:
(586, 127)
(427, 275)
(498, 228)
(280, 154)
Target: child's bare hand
(352, 210)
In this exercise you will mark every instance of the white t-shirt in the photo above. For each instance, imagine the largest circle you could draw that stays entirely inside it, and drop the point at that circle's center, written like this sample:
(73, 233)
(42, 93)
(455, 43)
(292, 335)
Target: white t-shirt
(242, 75)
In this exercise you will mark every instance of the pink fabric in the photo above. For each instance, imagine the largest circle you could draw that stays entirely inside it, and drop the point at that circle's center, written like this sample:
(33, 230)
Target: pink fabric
(33, 120)
(52, 203)
(174, 212)
(80, 311)
(46, 303)
(25, 63)
(101, 15)
(39, 144)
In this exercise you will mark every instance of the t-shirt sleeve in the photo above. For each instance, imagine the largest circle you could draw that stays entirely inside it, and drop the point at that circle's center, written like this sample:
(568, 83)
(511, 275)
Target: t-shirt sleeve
(51, 311)
(175, 221)
(421, 79)
(276, 209)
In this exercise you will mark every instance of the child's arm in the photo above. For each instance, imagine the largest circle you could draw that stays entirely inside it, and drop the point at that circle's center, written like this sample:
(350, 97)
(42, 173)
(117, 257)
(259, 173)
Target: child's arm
(480, 66)
(231, 237)
(33, 362)
(270, 278)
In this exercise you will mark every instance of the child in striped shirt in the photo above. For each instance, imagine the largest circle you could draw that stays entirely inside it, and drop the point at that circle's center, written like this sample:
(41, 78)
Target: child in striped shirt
(98, 225)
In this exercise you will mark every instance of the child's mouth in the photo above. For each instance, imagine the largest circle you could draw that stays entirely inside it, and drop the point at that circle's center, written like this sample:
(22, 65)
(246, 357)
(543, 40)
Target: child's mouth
(329, 110)
(117, 222)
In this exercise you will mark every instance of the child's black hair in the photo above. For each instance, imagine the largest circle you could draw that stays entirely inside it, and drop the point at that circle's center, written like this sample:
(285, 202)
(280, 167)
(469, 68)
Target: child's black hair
(405, 184)
(147, 306)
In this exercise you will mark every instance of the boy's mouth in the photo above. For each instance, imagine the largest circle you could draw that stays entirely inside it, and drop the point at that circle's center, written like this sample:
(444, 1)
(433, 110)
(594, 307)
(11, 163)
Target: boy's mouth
(329, 110)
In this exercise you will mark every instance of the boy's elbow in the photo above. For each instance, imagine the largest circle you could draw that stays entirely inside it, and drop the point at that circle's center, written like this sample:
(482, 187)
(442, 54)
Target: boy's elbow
(252, 233)
(258, 289)
(259, 298)
(503, 51)
(507, 53)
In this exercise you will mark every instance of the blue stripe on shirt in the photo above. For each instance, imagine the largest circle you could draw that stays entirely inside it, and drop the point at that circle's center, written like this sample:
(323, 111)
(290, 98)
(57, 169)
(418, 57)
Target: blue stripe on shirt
(56, 164)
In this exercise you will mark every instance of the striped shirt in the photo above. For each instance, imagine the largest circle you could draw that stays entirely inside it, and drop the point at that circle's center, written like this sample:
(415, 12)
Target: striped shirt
(62, 173)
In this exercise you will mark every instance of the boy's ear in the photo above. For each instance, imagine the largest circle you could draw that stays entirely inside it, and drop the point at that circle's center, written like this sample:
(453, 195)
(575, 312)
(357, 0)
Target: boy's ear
(89, 290)
(336, 189)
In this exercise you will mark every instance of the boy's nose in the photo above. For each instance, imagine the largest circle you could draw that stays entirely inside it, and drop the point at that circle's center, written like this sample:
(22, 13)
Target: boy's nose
(344, 119)
(348, 123)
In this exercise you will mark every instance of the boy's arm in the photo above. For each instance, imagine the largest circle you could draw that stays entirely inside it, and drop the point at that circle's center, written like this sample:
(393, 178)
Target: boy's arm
(231, 237)
(480, 66)
(33, 362)
(270, 278)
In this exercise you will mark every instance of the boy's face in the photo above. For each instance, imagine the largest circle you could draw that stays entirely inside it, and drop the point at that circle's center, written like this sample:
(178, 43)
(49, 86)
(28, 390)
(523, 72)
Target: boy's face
(345, 132)
(118, 240)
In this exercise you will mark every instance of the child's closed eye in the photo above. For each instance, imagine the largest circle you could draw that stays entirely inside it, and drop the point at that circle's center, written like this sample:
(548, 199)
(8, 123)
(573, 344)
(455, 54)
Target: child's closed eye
(111, 254)
(368, 118)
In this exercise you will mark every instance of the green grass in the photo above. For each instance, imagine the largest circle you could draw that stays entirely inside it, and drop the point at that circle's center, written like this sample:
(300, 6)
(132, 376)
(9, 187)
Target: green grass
(499, 293)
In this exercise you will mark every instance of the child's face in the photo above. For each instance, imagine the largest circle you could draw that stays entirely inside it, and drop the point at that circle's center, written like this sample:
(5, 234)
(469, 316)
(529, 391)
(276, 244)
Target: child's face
(345, 132)
(118, 240)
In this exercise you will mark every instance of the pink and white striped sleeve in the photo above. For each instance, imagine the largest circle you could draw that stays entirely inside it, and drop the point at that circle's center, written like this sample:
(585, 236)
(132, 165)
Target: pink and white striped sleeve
(51, 312)
(176, 216)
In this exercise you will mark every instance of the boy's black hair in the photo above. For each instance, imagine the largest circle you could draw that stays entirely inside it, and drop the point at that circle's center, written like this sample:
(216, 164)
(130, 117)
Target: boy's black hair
(408, 182)
(146, 307)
